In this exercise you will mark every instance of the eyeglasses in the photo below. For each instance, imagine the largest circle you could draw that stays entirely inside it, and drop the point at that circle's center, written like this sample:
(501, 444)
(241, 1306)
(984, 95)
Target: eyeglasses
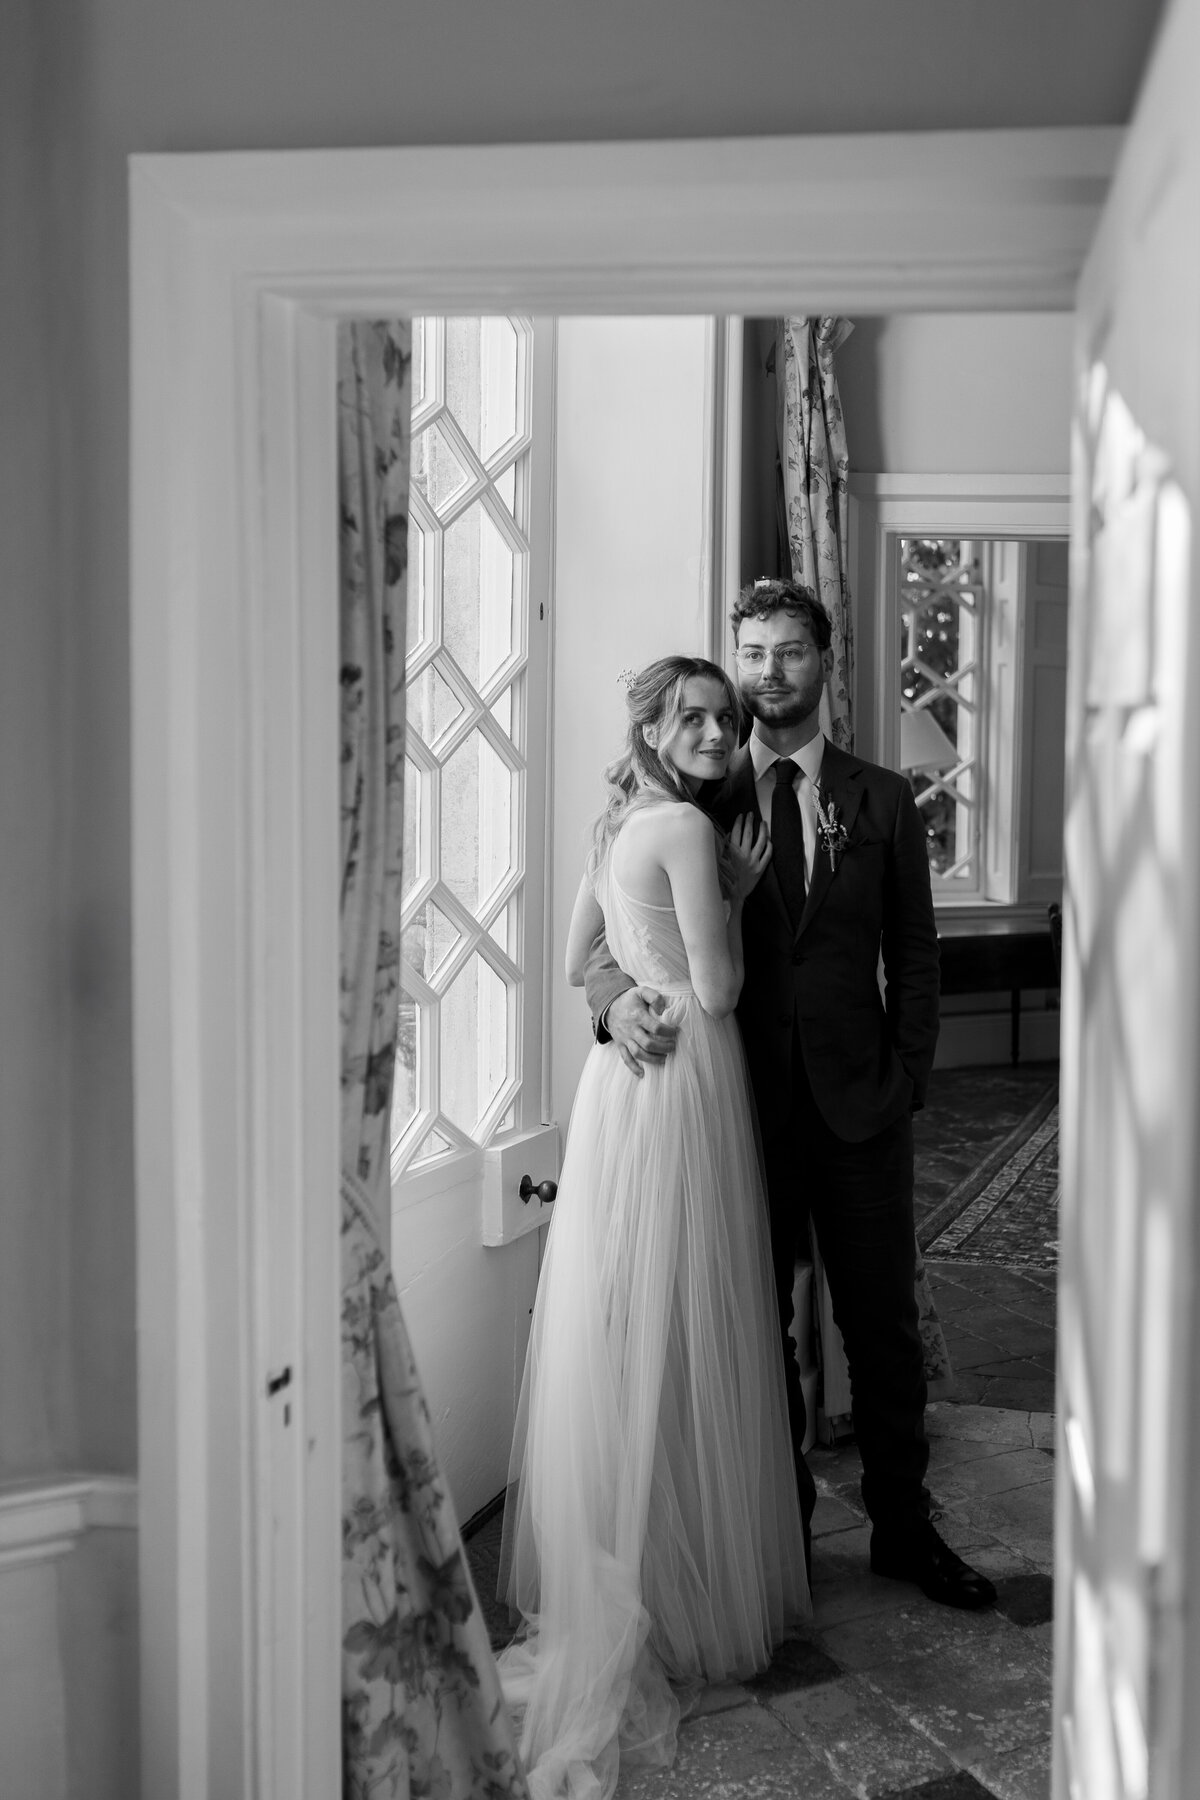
(788, 656)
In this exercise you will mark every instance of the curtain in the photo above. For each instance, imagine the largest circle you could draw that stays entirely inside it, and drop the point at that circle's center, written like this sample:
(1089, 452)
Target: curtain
(815, 474)
(422, 1712)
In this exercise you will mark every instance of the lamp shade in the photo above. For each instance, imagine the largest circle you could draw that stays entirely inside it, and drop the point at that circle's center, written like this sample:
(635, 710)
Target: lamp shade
(923, 743)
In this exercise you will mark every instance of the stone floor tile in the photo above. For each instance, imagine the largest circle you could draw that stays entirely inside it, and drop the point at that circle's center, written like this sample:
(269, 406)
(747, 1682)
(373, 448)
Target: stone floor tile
(833, 1514)
(798, 1663)
(1029, 1391)
(961, 1785)
(1000, 1561)
(992, 1281)
(743, 1754)
(987, 1424)
(1026, 1599)
(1027, 1507)
(1033, 1369)
(722, 1696)
(971, 1351)
(977, 1701)
(855, 1596)
(945, 1454)
(920, 1631)
(1022, 1774)
(867, 1744)
(1006, 1470)
(1042, 1430)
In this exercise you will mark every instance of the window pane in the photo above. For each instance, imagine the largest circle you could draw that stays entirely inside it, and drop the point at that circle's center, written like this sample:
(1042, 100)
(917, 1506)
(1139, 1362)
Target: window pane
(941, 594)
(428, 939)
(478, 595)
(476, 821)
(501, 398)
(474, 1043)
(416, 787)
(406, 1092)
(435, 470)
(433, 706)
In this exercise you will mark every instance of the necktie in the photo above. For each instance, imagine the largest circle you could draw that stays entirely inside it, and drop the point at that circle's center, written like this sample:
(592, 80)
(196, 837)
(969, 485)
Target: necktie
(787, 839)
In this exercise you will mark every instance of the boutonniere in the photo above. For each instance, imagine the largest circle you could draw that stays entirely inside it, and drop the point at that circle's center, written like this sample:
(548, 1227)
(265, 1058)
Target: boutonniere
(831, 833)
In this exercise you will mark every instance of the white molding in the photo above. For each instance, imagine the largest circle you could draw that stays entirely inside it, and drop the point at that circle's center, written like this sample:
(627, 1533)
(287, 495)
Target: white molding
(239, 266)
(727, 495)
(960, 487)
(40, 1520)
(871, 222)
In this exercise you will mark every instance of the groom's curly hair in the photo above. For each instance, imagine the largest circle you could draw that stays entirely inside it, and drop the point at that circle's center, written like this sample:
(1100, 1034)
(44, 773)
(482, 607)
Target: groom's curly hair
(760, 599)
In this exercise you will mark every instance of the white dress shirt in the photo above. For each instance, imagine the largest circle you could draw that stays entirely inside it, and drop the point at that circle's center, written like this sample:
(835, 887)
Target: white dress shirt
(808, 761)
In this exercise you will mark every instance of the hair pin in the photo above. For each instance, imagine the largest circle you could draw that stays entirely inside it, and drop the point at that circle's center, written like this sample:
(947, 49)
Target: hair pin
(627, 677)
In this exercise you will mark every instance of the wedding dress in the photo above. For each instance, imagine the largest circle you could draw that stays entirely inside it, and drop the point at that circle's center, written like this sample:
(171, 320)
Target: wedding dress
(652, 1536)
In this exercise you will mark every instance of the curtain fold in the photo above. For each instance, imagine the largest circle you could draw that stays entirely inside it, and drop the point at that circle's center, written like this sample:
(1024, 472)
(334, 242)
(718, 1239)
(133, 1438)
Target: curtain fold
(815, 473)
(422, 1712)
(814, 470)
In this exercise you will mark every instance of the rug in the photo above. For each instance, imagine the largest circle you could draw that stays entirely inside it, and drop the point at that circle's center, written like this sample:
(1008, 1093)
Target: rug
(1006, 1210)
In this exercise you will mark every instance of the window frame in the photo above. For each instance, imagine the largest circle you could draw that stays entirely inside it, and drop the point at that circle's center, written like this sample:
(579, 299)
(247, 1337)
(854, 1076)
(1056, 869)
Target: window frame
(414, 1181)
(885, 508)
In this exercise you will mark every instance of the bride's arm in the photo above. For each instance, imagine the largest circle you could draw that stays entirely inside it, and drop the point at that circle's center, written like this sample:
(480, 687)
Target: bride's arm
(587, 922)
(713, 940)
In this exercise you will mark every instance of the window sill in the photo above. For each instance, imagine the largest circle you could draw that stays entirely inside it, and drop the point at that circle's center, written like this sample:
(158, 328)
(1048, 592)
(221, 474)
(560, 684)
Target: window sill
(454, 1168)
(954, 916)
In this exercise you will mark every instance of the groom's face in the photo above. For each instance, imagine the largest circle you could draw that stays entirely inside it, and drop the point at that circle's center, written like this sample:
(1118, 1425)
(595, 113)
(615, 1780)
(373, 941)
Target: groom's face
(780, 670)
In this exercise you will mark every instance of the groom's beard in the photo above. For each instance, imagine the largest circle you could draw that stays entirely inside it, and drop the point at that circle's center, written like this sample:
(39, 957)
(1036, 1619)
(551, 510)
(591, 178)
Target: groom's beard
(783, 705)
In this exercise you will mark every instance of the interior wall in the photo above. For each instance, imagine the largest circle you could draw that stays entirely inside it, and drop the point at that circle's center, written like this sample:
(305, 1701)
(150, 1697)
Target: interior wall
(38, 499)
(629, 581)
(961, 393)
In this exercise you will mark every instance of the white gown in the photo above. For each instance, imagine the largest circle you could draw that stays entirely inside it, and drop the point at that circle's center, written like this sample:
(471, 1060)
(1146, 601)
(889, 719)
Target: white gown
(652, 1533)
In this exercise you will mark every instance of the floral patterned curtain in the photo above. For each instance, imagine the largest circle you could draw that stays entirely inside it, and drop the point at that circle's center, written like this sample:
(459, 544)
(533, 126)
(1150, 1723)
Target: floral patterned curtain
(421, 1707)
(815, 470)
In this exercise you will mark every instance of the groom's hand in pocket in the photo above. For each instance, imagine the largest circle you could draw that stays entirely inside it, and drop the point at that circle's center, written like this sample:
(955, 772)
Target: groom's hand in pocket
(633, 1022)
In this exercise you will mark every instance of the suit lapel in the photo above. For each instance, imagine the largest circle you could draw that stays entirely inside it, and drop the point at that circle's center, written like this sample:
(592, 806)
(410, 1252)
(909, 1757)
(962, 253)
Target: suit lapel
(841, 787)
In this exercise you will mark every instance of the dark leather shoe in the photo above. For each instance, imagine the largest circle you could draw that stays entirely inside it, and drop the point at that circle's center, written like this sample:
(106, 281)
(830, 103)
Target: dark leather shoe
(921, 1556)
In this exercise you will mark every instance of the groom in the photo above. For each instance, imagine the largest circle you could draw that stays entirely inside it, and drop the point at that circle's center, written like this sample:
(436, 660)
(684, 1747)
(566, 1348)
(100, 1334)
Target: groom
(836, 1070)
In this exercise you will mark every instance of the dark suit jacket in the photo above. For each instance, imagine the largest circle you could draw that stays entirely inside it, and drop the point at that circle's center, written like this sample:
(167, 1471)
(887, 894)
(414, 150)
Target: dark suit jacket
(813, 990)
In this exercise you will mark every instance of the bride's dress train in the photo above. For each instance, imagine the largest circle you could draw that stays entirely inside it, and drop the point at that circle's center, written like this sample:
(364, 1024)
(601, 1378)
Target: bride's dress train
(652, 1534)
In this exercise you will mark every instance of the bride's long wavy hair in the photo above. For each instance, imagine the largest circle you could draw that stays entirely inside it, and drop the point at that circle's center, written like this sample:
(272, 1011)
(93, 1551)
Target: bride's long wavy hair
(641, 775)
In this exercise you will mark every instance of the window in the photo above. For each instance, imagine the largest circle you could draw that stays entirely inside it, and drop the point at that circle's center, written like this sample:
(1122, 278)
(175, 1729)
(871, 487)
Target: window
(941, 699)
(467, 742)
(982, 680)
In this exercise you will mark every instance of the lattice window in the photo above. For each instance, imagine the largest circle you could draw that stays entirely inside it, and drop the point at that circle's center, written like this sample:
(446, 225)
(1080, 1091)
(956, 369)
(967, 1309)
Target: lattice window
(942, 592)
(458, 1067)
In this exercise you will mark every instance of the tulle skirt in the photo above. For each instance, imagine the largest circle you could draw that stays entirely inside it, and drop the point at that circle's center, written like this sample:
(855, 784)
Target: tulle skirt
(652, 1534)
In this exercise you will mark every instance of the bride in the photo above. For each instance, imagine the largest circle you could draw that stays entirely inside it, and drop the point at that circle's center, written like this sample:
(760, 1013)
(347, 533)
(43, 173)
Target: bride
(652, 1536)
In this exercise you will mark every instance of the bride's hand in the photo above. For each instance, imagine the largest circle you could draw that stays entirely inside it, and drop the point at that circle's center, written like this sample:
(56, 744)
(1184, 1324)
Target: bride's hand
(750, 846)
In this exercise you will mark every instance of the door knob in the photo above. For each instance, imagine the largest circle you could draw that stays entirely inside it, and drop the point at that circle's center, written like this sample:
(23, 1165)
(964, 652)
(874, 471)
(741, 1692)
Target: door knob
(545, 1190)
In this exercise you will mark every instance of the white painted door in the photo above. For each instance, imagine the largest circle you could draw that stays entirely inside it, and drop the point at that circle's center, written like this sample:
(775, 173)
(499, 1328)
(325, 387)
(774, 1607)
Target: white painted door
(468, 1095)
(1128, 1541)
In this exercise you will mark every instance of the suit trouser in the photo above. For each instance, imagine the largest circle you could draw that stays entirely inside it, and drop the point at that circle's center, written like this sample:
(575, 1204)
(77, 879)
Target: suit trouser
(860, 1197)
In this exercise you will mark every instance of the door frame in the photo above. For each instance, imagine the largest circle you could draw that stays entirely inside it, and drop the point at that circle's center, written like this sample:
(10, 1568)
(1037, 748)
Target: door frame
(240, 267)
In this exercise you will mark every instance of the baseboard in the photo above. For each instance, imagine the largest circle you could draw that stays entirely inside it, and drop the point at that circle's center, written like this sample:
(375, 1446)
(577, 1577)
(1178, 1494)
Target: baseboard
(484, 1516)
(40, 1519)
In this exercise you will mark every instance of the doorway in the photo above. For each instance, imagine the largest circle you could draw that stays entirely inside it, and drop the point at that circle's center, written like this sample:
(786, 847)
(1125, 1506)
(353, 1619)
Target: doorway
(229, 1136)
